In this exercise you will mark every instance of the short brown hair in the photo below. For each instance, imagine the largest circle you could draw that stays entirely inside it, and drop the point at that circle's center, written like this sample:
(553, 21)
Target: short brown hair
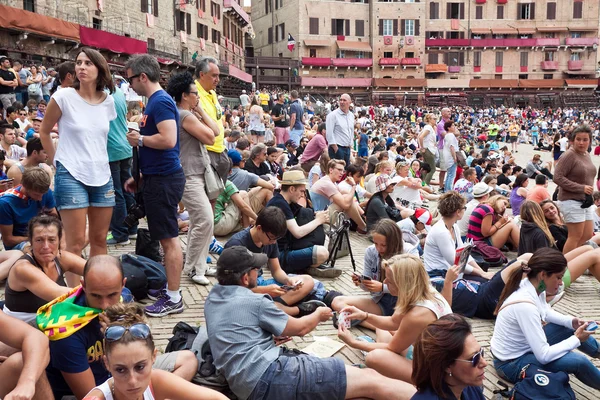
(104, 80)
(450, 202)
(36, 179)
(332, 163)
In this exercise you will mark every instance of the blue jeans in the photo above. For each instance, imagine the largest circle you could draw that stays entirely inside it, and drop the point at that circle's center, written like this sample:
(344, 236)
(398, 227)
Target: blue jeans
(343, 153)
(295, 135)
(121, 171)
(297, 261)
(450, 175)
(571, 363)
(534, 140)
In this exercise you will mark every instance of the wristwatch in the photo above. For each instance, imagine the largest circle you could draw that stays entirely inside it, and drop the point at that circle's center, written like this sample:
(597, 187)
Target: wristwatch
(141, 141)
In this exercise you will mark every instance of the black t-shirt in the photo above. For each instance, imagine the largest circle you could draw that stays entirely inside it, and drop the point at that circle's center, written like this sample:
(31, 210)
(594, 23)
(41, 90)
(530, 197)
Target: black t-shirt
(278, 110)
(243, 238)
(503, 180)
(7, 76)
(262, 169)
(278, 201)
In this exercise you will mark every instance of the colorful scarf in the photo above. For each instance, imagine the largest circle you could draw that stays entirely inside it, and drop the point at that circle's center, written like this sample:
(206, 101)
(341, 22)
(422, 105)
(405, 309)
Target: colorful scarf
(61, 317)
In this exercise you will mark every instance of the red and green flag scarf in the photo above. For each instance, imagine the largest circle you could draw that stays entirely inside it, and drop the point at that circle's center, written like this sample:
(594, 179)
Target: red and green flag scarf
(62, 317)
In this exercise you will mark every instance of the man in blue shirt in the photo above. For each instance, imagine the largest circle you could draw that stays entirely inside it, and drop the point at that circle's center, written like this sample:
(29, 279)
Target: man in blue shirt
(296, 118)
(163, 177)
(19, 205)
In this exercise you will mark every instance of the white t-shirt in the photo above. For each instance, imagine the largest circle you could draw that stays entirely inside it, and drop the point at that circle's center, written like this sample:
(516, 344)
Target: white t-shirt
(563, 143)
(429, 140)
(449, 141)
(83, 139)
(406, 193)
(22, 124)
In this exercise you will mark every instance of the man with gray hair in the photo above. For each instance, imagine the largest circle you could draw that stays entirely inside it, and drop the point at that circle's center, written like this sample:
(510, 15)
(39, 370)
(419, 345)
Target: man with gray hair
(207, 79)
(163, 178)
(340, 130)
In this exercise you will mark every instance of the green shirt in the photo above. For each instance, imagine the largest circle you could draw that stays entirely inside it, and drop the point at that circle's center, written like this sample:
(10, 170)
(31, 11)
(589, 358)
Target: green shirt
(224, 199)
(118, 147)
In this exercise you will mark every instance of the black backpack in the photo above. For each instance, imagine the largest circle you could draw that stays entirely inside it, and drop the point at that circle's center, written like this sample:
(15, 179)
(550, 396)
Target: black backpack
(142, 274)
(147, 247)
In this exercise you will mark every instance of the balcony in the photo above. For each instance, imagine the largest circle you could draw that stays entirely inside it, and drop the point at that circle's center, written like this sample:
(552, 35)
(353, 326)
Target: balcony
(271, 62)
(384, 62)
(575, 65)
(581, 41)
(447, 42)
(436, 68)
(414, 62)
(488, 42)
(237, 11)
(547, 42)
(480, 1)
(352, 62)
(519, 42)
(502, 1)
(454, 69)
(549, 65)
(316, 61)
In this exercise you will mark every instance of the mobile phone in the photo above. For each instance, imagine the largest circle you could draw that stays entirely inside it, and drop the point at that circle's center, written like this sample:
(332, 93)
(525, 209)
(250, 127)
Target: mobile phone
(357, 276)
(6, 180)
(592, 326)
(366, 278)
(133, 126)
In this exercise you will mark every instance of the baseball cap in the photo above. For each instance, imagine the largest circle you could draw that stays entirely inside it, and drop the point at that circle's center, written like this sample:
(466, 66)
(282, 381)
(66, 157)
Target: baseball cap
(243, 91)
(236, 157)
(424, 216)
(481, 189)
(237, 259)
(291, 143)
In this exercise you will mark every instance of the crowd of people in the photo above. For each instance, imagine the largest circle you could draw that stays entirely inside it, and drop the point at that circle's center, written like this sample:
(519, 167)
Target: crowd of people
(86, 158)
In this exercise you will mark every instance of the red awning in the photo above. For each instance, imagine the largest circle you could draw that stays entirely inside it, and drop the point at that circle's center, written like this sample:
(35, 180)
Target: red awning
(14, 18)
(110, 41)
(494, 83)
(390, 82)
(336, 82)
(238, 73)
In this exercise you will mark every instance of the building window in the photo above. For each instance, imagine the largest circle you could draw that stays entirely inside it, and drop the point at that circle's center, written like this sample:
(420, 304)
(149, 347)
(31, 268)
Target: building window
(500, 12)
(526, 11)
(216, 35)
(477, 59)
(340, 27)
(575, 56)
(551, 11)
(340, 54)
(575, 34)
(312, 53)
(498, 76)
(278, 4)
(456, 58)
(360, 54)
(523, 76)
(388, 54)
(215, 10)
(478, 12)
(313, 26)
(180, 22)
(409, 27)
(409, 54)
(269, 35)
(359, 27)
(388, 26)
(434, 10)
(578, 9)
(268, 6)
(548, 76)
(201, 5)
(96, 23)
(524, 59)
(202, 31)
(549, 56)
(151, 43)
(499, 59)
(29, 5)
(281, 35)
(432, 58)
(455, 10)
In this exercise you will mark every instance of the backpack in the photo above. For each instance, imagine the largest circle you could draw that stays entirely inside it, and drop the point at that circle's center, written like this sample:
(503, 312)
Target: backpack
(146, 246)
(195, 339)
(535, 383)
(489, 255)
(142, 274)
(304, 216)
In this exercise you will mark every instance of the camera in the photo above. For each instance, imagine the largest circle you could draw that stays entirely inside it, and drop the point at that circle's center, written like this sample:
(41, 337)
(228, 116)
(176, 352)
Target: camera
(135, 213)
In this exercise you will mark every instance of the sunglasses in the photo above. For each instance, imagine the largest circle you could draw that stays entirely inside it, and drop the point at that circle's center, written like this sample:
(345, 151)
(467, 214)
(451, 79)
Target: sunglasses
(132, 77)
(116, 332)
(475, 359)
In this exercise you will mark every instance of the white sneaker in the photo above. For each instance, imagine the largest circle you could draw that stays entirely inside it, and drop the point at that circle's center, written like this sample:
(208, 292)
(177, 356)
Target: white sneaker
(200, 280)
(211, 271)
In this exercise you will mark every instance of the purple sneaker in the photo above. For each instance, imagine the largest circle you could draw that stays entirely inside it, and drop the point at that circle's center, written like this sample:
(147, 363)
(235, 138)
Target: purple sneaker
(164, 306)
(154, 294)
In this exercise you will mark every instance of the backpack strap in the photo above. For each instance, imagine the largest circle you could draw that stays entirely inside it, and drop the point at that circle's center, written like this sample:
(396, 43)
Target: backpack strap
(515, 302)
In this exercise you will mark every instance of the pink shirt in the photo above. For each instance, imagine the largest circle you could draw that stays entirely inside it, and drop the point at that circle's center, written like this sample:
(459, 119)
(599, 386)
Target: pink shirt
(314, 148)
(538, 194)
(325, 187)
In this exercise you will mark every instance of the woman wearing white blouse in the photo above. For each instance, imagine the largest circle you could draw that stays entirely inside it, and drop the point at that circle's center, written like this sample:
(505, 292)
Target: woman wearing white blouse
(83, 185)
(520, 338)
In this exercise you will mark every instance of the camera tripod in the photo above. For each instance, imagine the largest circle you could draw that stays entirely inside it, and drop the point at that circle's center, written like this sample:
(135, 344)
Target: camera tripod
(341, 234)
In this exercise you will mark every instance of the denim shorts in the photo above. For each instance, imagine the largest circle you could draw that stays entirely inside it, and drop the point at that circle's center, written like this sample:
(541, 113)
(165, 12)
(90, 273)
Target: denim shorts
(387, 303)
(298, 260)
(573, 213)
(302, 377)
(162, 195)
(71, 194)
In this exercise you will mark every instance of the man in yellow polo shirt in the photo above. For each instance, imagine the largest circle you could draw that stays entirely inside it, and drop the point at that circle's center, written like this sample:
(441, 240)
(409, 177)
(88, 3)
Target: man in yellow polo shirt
(207, 79)
(264, 98)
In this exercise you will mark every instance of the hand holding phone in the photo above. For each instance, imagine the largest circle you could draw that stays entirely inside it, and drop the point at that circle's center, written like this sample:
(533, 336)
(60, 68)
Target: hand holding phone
(592, 326)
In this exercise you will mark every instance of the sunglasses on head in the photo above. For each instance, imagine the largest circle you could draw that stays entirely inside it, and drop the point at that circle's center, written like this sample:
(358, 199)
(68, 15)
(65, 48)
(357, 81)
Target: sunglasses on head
(475, 359)
(116, 332)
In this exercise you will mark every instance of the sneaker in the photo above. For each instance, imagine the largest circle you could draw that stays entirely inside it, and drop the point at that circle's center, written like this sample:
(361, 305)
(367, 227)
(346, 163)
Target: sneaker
(201, 280)
(215, 247)
(154, 294)
(211, 271)
(113, 242)
(324, 271)
(133, 236)
(309, 307)
(164, 306)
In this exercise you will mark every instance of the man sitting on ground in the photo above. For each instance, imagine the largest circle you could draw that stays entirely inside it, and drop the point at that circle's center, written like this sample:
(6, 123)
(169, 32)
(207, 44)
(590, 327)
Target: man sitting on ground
(256, 164)
(259, 190)
(262, 238)
(36, 157)
(244, 329)
(292, 255)
(540, 192)
(232, 211)
(22, 372)
(76, 364)
(20, 204)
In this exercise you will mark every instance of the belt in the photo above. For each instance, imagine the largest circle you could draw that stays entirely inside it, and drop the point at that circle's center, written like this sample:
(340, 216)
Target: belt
(343, 147)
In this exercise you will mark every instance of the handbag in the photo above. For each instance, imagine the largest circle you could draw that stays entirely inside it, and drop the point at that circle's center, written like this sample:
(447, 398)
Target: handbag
(535, 383)
(492, 256)
(587, 203)
(212, 181)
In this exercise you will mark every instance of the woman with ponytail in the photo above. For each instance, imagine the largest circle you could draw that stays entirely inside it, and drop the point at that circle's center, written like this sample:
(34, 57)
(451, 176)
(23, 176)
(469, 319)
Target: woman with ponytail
(528, 331)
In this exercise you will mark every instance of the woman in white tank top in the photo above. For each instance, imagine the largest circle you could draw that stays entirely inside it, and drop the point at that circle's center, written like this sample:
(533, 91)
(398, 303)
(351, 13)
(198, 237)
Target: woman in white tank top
(129, 353)
(419, 304)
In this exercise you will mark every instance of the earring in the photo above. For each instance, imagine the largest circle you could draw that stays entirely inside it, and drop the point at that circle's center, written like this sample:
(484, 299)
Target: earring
(449, 373)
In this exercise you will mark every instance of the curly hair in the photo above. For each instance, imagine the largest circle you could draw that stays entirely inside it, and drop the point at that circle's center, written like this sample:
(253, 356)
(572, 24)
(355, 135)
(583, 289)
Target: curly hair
(126, 315)
(450, 202)
(179, 84)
